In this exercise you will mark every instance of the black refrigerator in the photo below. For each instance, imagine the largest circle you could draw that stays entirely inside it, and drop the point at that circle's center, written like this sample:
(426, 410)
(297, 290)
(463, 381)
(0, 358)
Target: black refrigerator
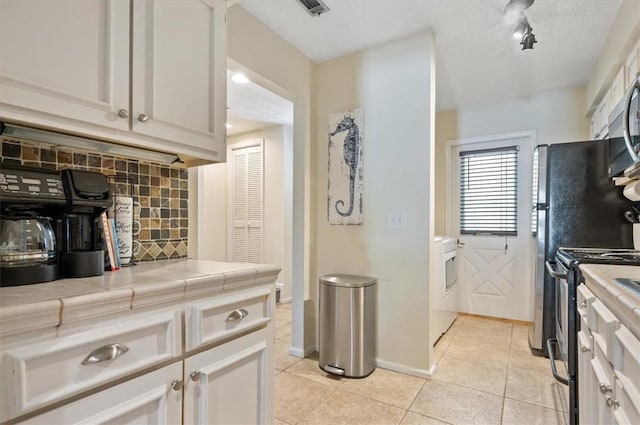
(575, 204)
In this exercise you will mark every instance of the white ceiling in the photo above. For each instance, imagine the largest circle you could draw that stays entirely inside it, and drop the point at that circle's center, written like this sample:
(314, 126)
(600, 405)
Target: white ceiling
(477, 59)
(251, 107)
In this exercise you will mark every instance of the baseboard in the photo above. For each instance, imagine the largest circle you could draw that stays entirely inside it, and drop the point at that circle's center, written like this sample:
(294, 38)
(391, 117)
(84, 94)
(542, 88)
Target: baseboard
(497, 319)
(285, 300)
(396, 367)
(297, 352)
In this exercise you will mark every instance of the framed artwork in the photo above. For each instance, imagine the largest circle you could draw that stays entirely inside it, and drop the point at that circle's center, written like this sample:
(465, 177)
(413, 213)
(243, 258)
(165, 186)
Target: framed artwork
(344, 198)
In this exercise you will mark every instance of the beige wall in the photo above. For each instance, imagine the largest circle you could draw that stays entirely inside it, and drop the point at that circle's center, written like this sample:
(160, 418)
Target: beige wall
(276, 65)
(393, 84)
(446, 129)
(556, 116)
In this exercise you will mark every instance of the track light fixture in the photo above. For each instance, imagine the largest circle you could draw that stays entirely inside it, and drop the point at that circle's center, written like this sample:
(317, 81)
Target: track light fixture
(514, 12)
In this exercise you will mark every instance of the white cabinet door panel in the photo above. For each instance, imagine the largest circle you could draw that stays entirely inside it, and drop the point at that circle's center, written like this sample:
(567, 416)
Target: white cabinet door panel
(232, 383)
(179, 72)
(46, 66)
(148, 399)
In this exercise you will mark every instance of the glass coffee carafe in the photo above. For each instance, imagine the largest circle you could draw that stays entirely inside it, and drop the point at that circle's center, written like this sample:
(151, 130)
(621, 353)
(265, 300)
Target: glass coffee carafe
(26, 241)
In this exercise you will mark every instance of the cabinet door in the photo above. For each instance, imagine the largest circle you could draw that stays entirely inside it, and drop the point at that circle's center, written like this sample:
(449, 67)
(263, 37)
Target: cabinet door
(179, 72)
(586, 388)
(232, 383)
(68, 58)
(149, 399)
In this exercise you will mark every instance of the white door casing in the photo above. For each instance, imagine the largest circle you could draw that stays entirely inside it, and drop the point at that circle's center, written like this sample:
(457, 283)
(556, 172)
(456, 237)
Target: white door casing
(493, 271)
(246, 203)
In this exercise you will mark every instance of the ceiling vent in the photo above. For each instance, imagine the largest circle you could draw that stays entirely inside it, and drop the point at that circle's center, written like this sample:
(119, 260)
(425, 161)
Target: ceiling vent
(314, 7)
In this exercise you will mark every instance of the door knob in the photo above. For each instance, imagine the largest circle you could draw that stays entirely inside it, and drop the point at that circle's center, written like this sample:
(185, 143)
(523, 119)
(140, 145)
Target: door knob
(123, 113)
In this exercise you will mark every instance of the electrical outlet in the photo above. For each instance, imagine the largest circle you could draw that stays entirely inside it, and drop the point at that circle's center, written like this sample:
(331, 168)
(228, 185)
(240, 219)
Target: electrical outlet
(397, 219)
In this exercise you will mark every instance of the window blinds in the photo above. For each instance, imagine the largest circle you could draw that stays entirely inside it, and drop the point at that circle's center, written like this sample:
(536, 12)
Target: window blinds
(488, 191)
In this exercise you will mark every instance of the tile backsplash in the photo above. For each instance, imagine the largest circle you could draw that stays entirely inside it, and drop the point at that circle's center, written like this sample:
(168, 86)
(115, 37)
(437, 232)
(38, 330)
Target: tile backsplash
(162, 191)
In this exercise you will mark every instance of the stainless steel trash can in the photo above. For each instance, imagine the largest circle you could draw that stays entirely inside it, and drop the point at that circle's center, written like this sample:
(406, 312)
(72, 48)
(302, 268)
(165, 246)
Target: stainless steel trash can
(347, 325)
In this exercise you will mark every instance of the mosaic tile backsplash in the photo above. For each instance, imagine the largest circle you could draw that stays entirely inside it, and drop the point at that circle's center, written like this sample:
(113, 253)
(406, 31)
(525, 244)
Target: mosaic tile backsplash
(162, 191)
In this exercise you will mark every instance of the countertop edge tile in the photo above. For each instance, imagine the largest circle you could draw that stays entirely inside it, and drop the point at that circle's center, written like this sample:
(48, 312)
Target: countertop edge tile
(28, 317)
(600, 279)
(204, 285)
(157, 293)
(267, 274)
(240, 278)
(98, 304)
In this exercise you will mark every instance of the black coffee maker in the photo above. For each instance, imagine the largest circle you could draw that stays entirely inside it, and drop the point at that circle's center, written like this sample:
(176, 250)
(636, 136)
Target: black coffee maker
(32, 200)
(88, 196)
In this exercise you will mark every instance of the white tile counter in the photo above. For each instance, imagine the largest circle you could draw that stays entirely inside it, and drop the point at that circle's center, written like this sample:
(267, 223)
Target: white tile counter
(45, 306)
(623, 302)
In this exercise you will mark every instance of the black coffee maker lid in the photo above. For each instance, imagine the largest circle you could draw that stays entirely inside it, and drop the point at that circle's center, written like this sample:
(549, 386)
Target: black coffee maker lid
(86, 189)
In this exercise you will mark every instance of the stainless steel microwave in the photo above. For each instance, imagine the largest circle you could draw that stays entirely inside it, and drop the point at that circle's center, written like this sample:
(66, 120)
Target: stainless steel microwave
(619, 157)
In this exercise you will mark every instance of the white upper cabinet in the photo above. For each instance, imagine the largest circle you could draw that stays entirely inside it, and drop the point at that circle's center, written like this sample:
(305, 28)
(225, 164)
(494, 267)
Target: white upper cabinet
(67, 58)
(178, 79)
(151, 75)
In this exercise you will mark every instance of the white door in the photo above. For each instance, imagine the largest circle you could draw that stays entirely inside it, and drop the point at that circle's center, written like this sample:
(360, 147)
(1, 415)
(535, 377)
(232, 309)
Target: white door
(53, 62)
(179, 72)
(231, 384)
(495, 189)
(246, 242)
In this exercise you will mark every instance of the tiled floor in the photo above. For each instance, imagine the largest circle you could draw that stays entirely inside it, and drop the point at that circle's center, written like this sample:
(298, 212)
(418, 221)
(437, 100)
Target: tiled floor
(485, 375)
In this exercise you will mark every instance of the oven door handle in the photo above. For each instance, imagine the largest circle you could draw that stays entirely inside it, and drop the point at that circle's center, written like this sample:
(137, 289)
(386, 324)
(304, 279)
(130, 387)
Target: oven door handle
(551, 342)
(552, 272)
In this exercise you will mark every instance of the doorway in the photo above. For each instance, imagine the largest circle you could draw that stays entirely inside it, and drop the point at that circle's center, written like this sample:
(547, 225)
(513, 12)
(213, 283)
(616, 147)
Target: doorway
(489, 202)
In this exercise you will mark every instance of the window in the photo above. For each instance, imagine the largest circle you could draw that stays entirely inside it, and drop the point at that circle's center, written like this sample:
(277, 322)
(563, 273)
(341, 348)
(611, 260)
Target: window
(489, 191)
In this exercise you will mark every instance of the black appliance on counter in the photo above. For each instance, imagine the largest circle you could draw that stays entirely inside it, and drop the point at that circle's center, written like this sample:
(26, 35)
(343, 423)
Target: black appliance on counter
(49, 224)
(88, 196)
(566, 273)
(31, 202)
(575, 204)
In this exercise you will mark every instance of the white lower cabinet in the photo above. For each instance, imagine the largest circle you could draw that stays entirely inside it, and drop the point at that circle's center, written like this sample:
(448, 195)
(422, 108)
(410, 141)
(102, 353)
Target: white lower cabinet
(232, 383)
(608, 367)
(148, 399)
(136, 369)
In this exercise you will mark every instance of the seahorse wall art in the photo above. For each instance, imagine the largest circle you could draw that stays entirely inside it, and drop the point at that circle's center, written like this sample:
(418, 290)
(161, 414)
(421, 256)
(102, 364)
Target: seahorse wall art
(344, 203)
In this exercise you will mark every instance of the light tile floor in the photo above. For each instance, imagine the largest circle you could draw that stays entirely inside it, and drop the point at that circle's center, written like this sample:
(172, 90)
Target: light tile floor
(485, 375)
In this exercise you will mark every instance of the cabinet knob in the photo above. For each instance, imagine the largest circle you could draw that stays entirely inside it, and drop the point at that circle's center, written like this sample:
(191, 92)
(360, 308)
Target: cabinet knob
(604, 388)
(143, 118)
(584, 348)
(176, 384)
(612, 403)
(583, 304)
(123, 113)
(195, 375)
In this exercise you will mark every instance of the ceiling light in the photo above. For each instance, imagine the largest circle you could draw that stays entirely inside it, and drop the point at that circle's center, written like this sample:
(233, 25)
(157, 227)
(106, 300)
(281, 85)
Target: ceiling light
(528, 40)
(59, 139)
(239, 78)
(314, 7)
(227, 125)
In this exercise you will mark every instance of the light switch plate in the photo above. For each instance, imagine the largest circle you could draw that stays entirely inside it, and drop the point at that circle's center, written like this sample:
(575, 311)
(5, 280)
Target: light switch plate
(397, 219)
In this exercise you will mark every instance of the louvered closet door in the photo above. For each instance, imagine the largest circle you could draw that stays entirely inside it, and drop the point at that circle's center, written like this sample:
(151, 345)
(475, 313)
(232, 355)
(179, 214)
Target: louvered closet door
(247, 205)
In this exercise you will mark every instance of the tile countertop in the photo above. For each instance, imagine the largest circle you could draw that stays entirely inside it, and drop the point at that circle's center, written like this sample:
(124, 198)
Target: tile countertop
(47, 305)
(623, 302)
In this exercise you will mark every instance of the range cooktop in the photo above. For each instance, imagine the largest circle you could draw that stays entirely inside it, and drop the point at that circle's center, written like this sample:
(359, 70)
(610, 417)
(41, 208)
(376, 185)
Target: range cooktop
(575, 256)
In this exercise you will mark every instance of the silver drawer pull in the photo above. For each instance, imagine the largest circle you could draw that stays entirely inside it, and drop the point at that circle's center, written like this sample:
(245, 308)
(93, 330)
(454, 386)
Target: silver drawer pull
(238, 314)
(105, 353)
